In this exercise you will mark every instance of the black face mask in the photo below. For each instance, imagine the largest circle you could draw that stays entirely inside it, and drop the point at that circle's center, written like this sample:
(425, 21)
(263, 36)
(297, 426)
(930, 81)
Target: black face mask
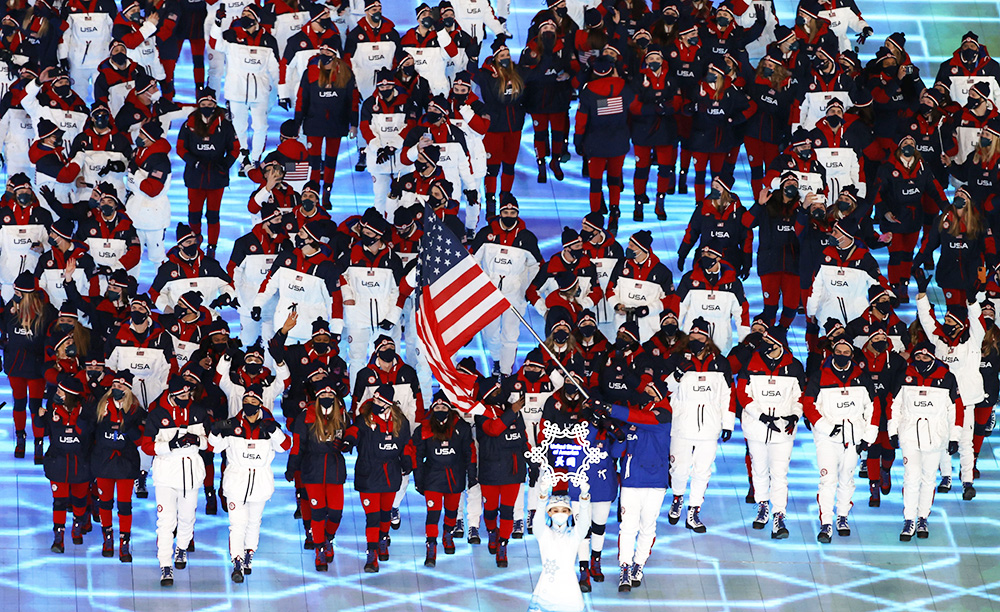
(326, 402)
(696, 346)
(118, 394)
(440, 415)
(834, 121)
(654, 66)
(460, 98)
(669, 19)
(368, 241)
(190, 250)
(818, 213)
(409, 70)
(767, 71)
(794, 46)
(879, 346)
(630, 253)
(924, 367)
(949, 329)
(692, 41)
(800, 21)
(136, 17)
(138, 317)
(588, 331)
(376, 17)
(252, 369)
(532, 375)
(107, 209)
(8, 30)
(448, 22)
(508, 223)
(427, 22)
(71, 351)
(206, 112)
(64, 328)
(791, 192)
(973, 103)
(250, 409)
(562, 11)
(321, 347)
(94, 375)
(924, 109)
(988, 322)
(387, 355)
(308, 204)
(326, 60)
(386, 93)
(101, 121)
(985, 142)
(642, 43)
(844, 205)
(706, 262)
(504, 63)
(969, 56)
(220, 347)
(722, 22)
(247, 22)
(841, 361)
(907, 150)
(24, 199)
(119, 58)
(17, 299)
(432, 117)
(63, 91)
(624, 343)
(804, 154)
(711, 77)
(669, 329)
(560, 336)
(420, 166)
(58, 401)
(959, 203)
(883, 307)
(53, 242)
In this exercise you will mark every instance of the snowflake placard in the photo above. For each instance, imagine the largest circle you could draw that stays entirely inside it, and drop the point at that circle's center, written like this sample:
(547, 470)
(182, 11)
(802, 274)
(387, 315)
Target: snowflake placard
(572, 458)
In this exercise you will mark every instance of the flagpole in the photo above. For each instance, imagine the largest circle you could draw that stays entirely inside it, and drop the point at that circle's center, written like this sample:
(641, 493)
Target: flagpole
(551, 354)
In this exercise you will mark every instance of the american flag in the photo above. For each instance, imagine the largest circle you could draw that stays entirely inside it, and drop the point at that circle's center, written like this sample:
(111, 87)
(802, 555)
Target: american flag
(456, 301)
(609, 106)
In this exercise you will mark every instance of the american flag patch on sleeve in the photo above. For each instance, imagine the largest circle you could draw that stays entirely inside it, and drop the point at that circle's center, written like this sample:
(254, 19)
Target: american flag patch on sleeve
(609, 106)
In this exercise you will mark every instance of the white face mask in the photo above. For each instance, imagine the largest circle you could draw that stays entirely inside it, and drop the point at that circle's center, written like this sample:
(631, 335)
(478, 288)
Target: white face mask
(560, 518)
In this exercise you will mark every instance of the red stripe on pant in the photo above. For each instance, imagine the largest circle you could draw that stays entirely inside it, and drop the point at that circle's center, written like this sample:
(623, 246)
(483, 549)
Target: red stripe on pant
(377, 507)
(595, 170)
(326, 501)
(211, 199)
(317, 161)
(542, 122)
(106, 488)
(500, 497)
(65, 494)
(23, 390)
(435, 501)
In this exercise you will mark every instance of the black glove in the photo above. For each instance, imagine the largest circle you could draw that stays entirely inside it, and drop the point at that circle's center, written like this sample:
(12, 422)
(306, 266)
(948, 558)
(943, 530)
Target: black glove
(769, 421)
(219, 302)
(922, 279)
(727, 434)
(255, 313)
(680, 262)
(345, 446)
(952, 447)
(385, 154)
(862, 447)
(600, 410)
(792, 420)
(234, 303)
(290, 475)
(269, 426)
(865, 33)
(758, 12)
(745, 272)
(641, 311)
(837, 429)
(809, 426)
(285, 103)
(395, 189)
(386, 324)
(176, 442)
(191, 439)
(64, 64)
(471, 196)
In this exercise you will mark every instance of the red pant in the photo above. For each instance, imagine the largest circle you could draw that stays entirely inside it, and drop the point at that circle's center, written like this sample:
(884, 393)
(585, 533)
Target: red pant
(880, 456)
(665, 157)
(500, 497)
(23, 390)
(982, 414)
(199, 199)
(501, 150)
(595, 170)
(377, 507)
(326, 501)
(64, 495)
(788, 287)
(327, 164)
(105, 491)
(759, 155)
(901, 256)
(559, 122)
(435, 501)
(701, 161)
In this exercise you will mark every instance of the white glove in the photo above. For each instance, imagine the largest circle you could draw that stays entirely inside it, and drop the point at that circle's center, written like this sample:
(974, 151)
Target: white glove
(540, 306)
(584, 489)
(586, 303)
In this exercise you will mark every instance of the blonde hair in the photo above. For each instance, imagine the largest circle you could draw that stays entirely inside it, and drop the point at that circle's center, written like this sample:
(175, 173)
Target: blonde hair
(367, 415)
(128, 404)
(337, 75)
(325, 428)
(30, 311)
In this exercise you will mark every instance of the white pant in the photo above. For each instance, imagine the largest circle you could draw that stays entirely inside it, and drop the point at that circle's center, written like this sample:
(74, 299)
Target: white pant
(415, 354)
(599, 512)
(691, 459)
(250, 330)
(174, 509)
(243, 114)
(769, 467)
(472, 504)
(359, 332)
(152, 244)
(966, 454)
(836, 476)
(80, 76)
(216, 70)
(501, 339)
(401, 493)
(640, 509)
(381, 185)
(244, 526)
(919, 474)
